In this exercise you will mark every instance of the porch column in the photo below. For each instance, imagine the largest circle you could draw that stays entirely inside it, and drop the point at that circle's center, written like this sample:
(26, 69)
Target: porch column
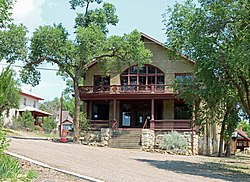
(152, 122)
(114, 114)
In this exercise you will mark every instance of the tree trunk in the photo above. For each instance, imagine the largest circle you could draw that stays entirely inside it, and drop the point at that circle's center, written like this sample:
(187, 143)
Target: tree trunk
(228, 149)
(222, 131)
(77, 109)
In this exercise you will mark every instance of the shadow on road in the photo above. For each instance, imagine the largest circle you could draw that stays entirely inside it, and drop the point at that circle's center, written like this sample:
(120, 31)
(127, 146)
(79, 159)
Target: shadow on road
(206, 169)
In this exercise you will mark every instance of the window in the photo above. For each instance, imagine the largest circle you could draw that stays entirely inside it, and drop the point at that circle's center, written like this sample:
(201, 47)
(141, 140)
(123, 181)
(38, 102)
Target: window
(101, 83)
(182, 111)
(24, 101)
(34, 103)
(183, 76)
(100, 111)
(146, 78)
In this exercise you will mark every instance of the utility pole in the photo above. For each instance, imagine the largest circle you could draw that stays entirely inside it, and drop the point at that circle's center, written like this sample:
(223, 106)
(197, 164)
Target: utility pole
(61, 108)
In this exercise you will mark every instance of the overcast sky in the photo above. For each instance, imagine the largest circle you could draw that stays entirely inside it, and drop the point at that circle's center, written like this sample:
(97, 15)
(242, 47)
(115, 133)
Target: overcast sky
(143, 15)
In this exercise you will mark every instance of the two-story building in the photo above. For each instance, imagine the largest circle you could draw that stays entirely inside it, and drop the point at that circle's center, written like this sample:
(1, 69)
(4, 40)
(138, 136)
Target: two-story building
(28, 102)
(138, 97)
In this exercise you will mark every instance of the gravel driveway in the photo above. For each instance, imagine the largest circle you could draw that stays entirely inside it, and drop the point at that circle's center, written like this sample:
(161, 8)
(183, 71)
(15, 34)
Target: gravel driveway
(114, 165)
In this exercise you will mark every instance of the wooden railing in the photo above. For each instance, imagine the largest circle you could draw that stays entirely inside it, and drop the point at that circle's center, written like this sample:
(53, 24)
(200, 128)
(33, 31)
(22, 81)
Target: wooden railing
(162, 125)
(178, 125)
(98, 124)
(116, 89)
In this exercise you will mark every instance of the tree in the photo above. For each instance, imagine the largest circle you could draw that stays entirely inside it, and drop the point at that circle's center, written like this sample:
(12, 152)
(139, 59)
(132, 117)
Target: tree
(9, 92)
(12, 48)
(52, 44)
(216, 35)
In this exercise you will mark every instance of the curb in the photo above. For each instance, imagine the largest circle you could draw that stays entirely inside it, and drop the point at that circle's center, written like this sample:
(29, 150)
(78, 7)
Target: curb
(28, 138)
(53, 168)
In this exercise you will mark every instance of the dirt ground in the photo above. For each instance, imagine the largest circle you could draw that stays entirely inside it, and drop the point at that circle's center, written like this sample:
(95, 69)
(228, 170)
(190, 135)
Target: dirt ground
(114, 165)
(47, 175)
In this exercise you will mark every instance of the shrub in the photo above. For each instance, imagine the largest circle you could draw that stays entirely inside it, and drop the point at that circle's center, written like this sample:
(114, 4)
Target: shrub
(49, 124)
(28, 120)
(83, 125)
(3, 141)
(17, 123)
(174, 142)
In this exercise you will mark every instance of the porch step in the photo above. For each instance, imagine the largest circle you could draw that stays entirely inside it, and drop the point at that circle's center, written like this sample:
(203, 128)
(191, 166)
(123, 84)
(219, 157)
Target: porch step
(126, 139)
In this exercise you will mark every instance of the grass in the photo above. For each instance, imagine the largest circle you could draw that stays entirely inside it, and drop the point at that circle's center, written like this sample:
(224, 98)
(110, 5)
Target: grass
(10, 170)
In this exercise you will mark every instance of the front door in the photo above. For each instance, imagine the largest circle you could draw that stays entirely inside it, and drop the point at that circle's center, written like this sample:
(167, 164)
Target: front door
(142, 116)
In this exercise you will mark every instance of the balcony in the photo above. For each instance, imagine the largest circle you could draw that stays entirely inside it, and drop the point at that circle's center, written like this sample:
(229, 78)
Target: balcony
(125, 89)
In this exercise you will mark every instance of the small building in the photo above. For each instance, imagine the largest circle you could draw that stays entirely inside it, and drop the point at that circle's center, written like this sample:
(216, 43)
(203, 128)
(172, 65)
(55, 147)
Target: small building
(28, 102)
(67, 120)
(240, 140)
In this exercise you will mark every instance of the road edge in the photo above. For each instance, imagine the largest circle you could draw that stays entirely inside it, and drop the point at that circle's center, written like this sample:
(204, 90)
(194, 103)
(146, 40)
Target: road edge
(53, 168)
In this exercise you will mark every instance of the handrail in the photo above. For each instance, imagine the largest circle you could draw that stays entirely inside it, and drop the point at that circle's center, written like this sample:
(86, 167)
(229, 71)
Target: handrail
(145, 124)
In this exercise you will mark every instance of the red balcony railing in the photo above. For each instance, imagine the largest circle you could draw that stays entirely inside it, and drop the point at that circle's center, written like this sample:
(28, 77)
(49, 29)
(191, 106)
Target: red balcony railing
(162, 125)
(116, 89)
(178, 125)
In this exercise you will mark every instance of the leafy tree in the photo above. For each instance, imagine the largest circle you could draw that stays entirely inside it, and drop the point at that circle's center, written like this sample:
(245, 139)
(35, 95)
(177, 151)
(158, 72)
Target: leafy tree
(52, 44)
(12, 48)
(245, 127)
(28, 120)
(49, 124)
(9, 92)
(216, 35)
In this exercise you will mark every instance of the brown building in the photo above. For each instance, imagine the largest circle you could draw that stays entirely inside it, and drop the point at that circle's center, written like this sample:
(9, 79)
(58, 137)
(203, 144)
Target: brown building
(138, 98)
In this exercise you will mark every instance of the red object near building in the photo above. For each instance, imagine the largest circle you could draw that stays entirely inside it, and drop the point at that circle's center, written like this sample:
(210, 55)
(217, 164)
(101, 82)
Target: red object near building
(64, 135)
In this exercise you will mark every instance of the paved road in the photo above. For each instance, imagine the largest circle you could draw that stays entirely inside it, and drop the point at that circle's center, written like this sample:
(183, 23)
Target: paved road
(114, 165)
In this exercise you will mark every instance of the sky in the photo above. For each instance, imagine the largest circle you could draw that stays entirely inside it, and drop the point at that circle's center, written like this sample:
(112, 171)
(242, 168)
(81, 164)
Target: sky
(143, 15)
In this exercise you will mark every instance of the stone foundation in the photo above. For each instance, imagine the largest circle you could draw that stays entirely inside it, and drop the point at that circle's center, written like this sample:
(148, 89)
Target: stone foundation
(96, 138)
(150, 141)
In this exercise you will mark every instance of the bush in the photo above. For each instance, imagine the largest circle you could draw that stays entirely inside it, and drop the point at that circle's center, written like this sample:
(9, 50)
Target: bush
(174, 142)
(28, 120)
(49, 124)
(17, 123)
(3, 141)
(83, 125)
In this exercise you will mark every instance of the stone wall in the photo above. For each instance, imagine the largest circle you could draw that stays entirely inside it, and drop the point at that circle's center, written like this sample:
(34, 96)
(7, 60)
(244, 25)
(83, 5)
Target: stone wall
(151, 140)
(96, 138)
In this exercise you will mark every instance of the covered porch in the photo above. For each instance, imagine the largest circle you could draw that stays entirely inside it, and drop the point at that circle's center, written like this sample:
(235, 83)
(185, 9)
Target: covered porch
(139, 112)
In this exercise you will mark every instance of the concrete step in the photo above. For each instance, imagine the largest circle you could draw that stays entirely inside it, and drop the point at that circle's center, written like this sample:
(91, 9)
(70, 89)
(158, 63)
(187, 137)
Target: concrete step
(130, 139)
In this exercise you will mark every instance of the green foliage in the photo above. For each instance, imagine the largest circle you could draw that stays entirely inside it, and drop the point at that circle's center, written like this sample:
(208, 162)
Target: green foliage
(83, 124)
(5, 6)
(245, 127)
(216, 35)
(10, 170)
(9, 92)
(28, 120)
(3, 141)
(49, 124)
(101, 17)
(174, 142)
(90, 44)
(17, 123)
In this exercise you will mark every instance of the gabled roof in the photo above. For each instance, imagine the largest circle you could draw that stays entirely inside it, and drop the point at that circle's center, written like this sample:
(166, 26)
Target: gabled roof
(65, 116)
(33, 109)
(143, 35)
(29, 94)
(242, 134)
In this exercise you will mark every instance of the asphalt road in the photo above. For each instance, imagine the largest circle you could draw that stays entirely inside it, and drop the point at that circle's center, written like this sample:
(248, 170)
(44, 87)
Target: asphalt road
(115, 165)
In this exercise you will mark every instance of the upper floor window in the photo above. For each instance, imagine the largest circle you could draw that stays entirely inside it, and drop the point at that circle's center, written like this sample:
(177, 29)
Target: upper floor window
(183, 76)
(147, 77)
(101, 83)
(24, 101)
(34, 103)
